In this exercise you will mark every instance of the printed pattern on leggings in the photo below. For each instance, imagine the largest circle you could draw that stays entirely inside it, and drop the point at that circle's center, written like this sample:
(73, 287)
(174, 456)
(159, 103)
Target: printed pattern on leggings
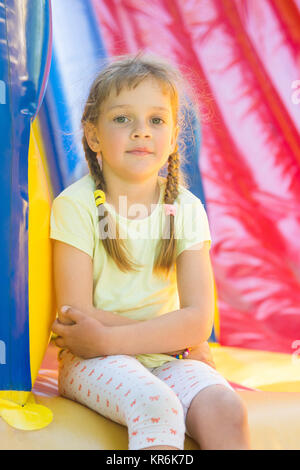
(123, 390)
(151, 402)
(187, 378)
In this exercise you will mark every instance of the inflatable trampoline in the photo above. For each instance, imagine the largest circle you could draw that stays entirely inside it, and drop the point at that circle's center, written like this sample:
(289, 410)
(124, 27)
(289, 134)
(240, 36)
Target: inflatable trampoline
(244, 164)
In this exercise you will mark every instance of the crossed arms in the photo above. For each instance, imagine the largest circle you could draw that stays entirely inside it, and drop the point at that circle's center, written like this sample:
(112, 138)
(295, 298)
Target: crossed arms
(191, 325)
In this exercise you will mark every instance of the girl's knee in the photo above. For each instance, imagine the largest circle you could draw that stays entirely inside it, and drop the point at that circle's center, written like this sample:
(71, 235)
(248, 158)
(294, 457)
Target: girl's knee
(227, 404)
(238, 410)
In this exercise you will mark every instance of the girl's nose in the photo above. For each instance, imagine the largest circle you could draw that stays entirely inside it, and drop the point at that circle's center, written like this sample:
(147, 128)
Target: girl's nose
(140, 133)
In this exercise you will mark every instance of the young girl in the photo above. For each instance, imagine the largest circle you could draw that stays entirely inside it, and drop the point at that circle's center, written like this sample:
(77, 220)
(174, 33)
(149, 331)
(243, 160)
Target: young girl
(133, 272)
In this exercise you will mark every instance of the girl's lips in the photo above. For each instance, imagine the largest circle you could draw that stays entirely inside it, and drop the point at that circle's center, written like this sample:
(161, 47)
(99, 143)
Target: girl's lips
(139, 152)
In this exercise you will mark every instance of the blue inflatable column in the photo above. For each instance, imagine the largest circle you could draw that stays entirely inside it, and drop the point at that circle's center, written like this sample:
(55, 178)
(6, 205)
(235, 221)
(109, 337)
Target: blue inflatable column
(25, 48)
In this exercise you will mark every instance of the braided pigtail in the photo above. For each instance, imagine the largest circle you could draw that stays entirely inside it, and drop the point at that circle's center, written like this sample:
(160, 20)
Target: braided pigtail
(113, 244)
(167, 246)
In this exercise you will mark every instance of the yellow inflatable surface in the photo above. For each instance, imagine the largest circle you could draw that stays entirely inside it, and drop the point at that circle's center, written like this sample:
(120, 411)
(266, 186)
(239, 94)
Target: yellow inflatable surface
(260, 370)
(274, 417)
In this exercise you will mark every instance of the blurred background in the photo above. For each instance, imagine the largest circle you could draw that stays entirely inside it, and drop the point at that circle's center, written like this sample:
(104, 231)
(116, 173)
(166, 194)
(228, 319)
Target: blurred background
(243, 57)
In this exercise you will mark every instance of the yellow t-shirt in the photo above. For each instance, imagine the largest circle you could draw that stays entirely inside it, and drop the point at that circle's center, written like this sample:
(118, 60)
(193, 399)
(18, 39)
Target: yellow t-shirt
(137, 295)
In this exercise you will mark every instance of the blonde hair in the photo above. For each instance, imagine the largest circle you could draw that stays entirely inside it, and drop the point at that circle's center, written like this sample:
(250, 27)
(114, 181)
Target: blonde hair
(129, 70)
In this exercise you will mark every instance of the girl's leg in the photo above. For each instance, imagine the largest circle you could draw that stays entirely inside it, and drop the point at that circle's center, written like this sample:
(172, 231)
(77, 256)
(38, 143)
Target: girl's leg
(217, 419)
(215, 416)
(123, 390)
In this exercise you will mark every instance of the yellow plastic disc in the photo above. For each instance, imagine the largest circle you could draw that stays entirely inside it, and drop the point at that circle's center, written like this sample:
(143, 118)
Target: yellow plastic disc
(28, 417)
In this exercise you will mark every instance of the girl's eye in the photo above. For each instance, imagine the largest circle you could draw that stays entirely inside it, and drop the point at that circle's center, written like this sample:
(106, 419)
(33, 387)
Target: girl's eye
(158, 119)
(121, 120)
(117, 119)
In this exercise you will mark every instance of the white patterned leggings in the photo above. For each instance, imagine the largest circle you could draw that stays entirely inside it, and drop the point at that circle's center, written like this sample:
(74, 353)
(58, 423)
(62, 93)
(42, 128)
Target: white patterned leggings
(151, 402)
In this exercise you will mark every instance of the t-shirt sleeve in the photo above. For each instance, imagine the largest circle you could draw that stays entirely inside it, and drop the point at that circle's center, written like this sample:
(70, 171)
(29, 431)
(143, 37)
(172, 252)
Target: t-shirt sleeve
(193, 227)
(71, 222)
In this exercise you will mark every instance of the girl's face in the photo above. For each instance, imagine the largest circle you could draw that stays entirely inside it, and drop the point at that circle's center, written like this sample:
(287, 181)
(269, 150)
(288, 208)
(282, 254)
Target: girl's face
(137, 118)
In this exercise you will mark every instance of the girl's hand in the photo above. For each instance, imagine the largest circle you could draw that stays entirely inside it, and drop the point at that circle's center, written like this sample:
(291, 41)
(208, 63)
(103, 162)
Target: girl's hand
(201, 352)
(84, 336)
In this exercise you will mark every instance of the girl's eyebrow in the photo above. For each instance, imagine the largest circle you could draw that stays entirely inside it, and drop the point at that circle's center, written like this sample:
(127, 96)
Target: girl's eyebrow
(161, 108)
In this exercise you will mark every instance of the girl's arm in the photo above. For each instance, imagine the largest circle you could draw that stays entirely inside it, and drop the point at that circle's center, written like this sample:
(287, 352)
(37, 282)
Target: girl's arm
(73, 274)
(200, 352)
(73, 278)
(169, 332)
(113, 319)
(190, 325)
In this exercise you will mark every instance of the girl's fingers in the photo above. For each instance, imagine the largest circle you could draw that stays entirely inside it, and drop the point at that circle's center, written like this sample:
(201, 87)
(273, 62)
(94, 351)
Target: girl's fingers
(59, 328)
(64, 320)
(59, 342)
(74, 315)
(56, 327)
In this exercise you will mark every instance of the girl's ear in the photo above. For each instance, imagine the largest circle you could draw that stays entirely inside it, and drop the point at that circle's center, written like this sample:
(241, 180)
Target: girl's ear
(91, 137)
